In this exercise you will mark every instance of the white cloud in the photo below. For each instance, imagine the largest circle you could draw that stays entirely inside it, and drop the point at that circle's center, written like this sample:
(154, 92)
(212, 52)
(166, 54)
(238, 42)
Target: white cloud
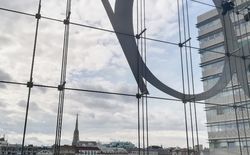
(95, 62)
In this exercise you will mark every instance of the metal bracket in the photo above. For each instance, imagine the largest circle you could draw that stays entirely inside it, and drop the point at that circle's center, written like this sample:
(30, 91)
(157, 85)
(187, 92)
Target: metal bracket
(182, 44)
(62, 86)
(30, 84)
(138, 36)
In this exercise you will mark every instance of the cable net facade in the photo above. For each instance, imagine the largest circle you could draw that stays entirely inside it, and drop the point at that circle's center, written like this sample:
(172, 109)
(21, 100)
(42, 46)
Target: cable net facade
(51, 65)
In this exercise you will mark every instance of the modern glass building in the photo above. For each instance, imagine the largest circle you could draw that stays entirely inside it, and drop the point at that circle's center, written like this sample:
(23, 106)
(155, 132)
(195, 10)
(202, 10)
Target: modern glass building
(228, 131)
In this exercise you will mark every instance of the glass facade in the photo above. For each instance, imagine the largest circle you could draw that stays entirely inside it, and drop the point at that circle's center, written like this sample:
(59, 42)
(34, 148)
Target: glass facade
(228, 126)
(228, 144)
(210, 53)
(208, 69)
(221, 120)
(210, 37)
(210, 82)
(210, 25)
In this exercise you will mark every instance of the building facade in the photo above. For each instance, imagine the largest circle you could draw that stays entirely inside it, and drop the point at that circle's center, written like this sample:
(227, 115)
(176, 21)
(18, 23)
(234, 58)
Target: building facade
(228, 127)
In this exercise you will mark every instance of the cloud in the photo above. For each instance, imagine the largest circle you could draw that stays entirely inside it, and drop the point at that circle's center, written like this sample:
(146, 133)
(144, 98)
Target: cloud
(2, 105)
(33, 105)
(95, 62)
(28, 5)
(4, 77)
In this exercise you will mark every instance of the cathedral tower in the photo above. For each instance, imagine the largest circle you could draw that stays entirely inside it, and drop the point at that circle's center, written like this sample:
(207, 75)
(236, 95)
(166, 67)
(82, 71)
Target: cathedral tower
(76, 133)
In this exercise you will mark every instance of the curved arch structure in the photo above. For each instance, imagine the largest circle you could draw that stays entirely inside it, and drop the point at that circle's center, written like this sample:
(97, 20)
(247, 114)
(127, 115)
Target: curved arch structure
(122, 21)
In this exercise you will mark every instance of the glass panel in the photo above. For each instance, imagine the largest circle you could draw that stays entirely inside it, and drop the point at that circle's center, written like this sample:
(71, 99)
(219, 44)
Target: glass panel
(231, 144)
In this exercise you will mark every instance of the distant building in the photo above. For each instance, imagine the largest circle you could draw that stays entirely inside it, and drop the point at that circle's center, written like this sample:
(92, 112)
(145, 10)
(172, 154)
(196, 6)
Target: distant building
(159, 150)
(113, 151)
(15, 149)
(94, 148)
(87, 148)
(119, 144)
(183, 151)
(3, 141)
(151, 150)
(67, 150)
(142, 152)
(87, 144)
(45, 152)
(81, 147)
(76, 133)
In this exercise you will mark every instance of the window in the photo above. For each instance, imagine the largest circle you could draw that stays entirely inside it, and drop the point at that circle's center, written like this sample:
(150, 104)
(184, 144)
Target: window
(223, 144)
(209, 83)
(215, 67)
(216, 145)
(211, 112)
(211, 145)
(231, 144)
(246, 143)
(210, 53)
(209, 25)
(220, 110)
(237, 143)
(211, 37)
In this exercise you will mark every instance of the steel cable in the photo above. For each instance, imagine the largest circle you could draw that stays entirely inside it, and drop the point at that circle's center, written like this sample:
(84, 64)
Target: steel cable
(30, 83)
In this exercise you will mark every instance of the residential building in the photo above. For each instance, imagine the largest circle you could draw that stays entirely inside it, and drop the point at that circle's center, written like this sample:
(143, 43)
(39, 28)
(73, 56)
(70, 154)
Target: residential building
(87, 148)
(113, 151)
(183, 151)
(152, 150)
(45, 152)
(119, 144)
(15, 149)
(222, 124)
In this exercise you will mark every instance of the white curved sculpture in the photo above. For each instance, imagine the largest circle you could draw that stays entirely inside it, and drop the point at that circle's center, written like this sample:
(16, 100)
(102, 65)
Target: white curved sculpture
(122, 21)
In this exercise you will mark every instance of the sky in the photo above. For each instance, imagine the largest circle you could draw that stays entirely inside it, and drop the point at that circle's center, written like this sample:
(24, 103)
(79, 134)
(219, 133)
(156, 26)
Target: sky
(96, 62)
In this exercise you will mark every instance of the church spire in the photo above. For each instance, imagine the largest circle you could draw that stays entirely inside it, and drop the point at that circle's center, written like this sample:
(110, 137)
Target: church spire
(76, 133)
(76, 128)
